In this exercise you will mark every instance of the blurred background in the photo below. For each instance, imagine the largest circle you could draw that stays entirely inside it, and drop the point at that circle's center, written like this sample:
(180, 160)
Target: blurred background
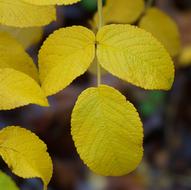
(166, 117)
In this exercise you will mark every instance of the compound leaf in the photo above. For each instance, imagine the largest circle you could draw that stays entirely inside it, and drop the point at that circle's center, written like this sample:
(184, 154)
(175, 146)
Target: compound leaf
(18, 89)
(14, 56)
(20, 14)
(25, 36)
(51, 2)
(25, 154)
(134, 55)
(7, 182)
(163, 28)
(64, 56)
(107, 131)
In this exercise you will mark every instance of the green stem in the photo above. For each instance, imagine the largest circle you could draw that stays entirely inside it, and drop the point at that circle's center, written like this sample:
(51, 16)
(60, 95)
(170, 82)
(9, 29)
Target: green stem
(100, 13)
(100, 24)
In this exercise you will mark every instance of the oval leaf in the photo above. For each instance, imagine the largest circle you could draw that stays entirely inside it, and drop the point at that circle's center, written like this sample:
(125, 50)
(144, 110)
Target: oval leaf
(135, 56)
(6, 182)
(20, 14)
(25, 36)
(64, 56)
(51, 2)
(107, 131)
(25, 154)
(121, 11)
(168, 34)
(13, 56)
(18, 89)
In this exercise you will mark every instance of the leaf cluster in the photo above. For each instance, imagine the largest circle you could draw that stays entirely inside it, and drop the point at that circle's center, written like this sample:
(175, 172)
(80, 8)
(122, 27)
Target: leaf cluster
(106, 128)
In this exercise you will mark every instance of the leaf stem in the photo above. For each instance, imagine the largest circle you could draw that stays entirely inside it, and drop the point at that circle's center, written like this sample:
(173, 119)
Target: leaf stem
(98, 73)
(100, 13)
(100, 24)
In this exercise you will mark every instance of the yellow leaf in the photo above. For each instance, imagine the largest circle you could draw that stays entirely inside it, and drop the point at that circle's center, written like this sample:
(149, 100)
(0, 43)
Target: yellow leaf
(51, 2)
(64, 56)
(121, 11)
(18, 89)
(26, 36)
(25, 154)
(6, 183)
(163, 28)
(20, 14)
(107, 131)
(13, 56)
(134, 55)
(185, 56)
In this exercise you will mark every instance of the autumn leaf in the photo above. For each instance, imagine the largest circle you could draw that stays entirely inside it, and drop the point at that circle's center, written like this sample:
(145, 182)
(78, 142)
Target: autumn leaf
(168, 34)
(135, 56)
(127, 52)
(18, 89)
(120, 11)
(18, 75)
(25, 36)
(65, 55)
(14, 56)
(107, 131)
(25, 154)
(51, 2)
(21, 14)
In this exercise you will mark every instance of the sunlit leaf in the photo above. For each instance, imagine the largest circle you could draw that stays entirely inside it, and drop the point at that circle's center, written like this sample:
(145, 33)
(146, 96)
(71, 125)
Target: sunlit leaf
(121, 11)
(51, 2)
(135, 56)
(107, 131)
(64, 56)
(26, 36)
(6, 182)
(25, 154)
(163, 28)
(18, 89)
(20, 14)
(13, 56)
